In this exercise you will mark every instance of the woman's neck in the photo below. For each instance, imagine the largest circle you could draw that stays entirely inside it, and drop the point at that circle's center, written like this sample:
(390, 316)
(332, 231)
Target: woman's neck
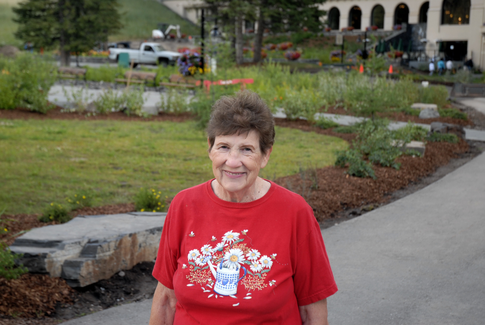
(255, 192)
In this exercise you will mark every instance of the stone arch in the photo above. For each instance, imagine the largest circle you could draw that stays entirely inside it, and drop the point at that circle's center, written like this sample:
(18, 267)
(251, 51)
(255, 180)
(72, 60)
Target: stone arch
(334, 18)
(455, 12)
(423, 12)
(377, 16)
(401, 14)
(355, 17)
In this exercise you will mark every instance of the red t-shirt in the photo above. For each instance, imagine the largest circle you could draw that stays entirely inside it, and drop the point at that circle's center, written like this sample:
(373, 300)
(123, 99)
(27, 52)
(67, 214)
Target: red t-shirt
(242, 263)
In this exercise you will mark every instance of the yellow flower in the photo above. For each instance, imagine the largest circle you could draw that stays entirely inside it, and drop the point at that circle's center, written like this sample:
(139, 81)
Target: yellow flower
(52, 204)
(159, 192)
(5, 72)
(159, 203)
(50, 217)
(77, 202)
(142, 210)
(84, 197)
(154, 211)
(5, 229)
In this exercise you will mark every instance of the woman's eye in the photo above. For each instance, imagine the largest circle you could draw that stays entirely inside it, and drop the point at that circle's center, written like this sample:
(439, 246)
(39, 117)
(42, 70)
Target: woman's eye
(247, 150)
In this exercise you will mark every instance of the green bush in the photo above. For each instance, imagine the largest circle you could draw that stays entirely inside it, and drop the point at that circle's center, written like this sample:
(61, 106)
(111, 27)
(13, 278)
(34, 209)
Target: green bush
(8, 269)
(79, 201)
(25, 82)
(174, 101)
(434, 95)
(345, 129)
(55, 212)
(442, 137)
(109, 101)
(202, 103)
(149, 201)
(411, 132)
(357, 166)
(325, 123)
(79, 97)
(453, 113)
(133, 101)
(104, 73)
(300, 37)
(301, 103)
(410, 111)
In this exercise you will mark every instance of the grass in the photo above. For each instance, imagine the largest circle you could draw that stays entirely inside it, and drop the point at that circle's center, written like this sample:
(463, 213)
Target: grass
(46, 161)
(139, 19)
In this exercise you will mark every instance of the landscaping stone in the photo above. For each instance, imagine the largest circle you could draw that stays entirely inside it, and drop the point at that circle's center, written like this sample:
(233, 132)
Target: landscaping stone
(429, 113)
(417, 146)
(91, 248)
(422, 106)
(438, 127)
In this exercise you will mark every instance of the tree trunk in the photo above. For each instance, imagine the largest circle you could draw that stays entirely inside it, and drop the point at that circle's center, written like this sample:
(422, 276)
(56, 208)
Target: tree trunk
(65, 58)
(258, 40)
(239, 40)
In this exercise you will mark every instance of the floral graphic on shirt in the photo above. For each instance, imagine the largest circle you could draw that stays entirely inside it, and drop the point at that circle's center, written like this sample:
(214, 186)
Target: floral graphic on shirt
(230, 264)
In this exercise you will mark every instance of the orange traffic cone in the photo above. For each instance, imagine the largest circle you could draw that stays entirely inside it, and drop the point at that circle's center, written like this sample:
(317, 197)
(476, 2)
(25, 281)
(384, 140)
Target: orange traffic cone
(390, 69)
(361, 70)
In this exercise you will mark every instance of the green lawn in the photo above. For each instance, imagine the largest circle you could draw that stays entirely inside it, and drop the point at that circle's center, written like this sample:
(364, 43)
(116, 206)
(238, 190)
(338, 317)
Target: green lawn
(139, 19)
(46, 161)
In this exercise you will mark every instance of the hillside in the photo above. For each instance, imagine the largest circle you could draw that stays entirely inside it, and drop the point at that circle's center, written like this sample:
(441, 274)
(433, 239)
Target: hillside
(139, 18)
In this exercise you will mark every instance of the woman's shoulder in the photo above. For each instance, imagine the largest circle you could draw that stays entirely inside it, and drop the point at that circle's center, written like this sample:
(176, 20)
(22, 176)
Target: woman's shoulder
(288, 198)
(194, 192)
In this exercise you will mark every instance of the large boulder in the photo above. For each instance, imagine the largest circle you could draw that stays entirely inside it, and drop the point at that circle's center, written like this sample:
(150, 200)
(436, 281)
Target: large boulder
(91, 248)
(429, 113)
(438, 127)
(8, 51)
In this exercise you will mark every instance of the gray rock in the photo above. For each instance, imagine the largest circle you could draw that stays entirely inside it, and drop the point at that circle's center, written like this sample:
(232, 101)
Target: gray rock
(91, 248)
(438, 127)
(429, 113)
(422, 106)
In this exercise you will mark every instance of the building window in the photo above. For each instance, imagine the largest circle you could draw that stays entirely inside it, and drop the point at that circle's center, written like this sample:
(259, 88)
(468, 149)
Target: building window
(455, 12)
(401, 14)
(377, 17)
(423, 12)
(334, 19)
(355, 18)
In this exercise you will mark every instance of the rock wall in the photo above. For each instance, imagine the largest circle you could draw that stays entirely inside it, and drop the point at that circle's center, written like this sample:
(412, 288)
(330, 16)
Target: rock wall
(91, 248)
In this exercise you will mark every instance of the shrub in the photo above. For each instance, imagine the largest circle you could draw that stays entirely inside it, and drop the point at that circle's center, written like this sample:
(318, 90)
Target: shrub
(79, 201)
(174, 102)
(300, 37)
(301, 103)
(345, 129)
(357, 166)
(8, 269)
(411, 132)
(104, 73)
(133, 101)
(55, 212)
(25, 82)
(410, 111)
(325, 123)
(442, 137)
(202, 103)
(453, 113)
(80, 97)
(149, 201)
(109, 101)
(433, 95)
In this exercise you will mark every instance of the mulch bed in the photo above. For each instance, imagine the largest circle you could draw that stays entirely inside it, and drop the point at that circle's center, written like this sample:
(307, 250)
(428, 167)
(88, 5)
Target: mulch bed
(34, 295)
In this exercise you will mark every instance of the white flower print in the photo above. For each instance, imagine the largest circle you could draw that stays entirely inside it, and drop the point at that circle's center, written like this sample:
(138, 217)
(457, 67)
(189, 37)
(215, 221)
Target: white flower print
(206, 250)
(230, 237)
(219, 247)
(253, 255)
(272, 283)
(200, 261)
(255, 266)
(266, 262)
(193, 254)
(191, 234)
(214, 238)
(244, 232)
(273, 256)
(233, 258)
(184, 266)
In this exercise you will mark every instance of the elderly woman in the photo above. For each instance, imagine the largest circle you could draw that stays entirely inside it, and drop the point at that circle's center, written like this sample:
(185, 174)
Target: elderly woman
(240, 249)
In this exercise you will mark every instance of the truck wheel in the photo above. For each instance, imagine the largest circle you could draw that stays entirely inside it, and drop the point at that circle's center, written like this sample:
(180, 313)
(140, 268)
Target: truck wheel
(163, 62)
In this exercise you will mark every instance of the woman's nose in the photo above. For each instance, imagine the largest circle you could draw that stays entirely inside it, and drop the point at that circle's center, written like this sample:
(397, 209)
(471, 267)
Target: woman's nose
(234, 159)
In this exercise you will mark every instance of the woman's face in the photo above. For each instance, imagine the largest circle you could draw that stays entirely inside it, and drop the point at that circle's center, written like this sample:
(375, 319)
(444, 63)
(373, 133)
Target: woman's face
(236, 161)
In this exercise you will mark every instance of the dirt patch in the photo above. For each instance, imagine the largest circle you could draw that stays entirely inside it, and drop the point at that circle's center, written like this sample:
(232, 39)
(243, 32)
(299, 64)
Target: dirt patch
(333, 195)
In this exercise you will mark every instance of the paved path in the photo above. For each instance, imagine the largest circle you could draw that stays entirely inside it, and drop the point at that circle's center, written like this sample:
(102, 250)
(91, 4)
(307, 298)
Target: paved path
(418, 260)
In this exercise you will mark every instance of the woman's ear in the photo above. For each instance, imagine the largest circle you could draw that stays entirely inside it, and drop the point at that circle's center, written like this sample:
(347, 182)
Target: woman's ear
(208, 145)
(265, 160)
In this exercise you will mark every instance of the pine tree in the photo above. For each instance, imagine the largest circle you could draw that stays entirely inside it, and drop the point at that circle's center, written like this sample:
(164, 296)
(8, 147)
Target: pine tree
(72, 25)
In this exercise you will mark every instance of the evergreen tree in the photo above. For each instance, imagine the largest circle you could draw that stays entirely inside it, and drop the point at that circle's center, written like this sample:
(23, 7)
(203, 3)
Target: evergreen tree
(72, 25)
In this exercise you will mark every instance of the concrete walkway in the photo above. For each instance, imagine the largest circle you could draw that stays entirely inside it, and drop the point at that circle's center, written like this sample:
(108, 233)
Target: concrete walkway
(418, 260)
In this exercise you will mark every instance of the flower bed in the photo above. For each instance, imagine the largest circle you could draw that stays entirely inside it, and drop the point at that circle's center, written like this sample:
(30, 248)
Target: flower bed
(292, 55)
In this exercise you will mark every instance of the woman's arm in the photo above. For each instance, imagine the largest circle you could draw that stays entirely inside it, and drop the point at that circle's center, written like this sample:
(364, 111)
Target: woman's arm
(163, 306)
(314, 314)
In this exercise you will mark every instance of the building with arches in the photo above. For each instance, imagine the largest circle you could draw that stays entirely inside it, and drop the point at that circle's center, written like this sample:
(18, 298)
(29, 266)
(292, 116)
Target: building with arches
(454, 28)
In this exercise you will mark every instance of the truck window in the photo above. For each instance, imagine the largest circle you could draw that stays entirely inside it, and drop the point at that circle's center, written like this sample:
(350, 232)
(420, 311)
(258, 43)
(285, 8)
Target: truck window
(148, 48)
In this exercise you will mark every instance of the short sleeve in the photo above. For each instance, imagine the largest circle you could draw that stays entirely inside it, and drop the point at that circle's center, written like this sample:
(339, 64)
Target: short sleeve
(313, 277)
(166, 263)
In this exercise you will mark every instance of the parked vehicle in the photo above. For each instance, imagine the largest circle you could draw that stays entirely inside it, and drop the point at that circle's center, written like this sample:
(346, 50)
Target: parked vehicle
(149, 53)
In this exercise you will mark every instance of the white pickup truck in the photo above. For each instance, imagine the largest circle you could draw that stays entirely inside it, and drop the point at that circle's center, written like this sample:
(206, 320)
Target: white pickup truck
(149, 53)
